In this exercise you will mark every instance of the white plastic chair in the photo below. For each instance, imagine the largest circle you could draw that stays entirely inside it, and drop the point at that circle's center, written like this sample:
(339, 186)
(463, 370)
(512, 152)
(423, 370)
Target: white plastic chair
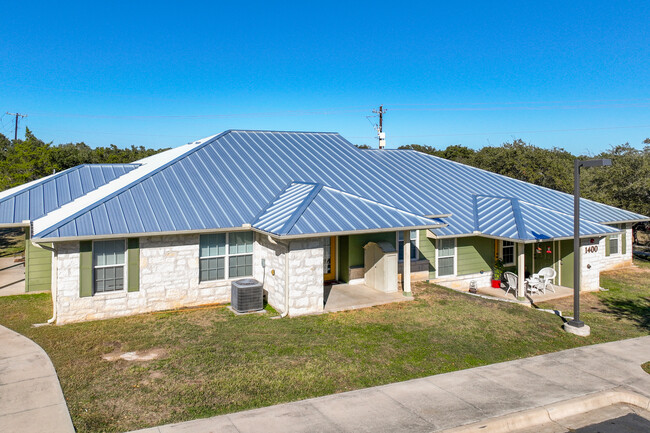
(548, 275)
(511, 281)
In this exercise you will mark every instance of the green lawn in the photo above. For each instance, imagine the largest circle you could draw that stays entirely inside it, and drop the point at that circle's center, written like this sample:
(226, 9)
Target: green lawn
(214, 362)
(12, 242)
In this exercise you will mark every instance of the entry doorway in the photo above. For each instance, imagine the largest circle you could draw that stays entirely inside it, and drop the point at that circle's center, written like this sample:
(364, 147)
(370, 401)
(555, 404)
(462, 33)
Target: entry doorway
(329, 259)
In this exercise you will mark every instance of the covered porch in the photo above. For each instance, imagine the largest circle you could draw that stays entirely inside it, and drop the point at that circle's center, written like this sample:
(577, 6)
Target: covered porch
(341, 297)
(560, 292)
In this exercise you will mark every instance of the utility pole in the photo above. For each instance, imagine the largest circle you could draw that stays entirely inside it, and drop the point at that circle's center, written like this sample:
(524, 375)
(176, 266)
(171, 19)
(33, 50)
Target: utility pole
(16, 129)
(380, 128)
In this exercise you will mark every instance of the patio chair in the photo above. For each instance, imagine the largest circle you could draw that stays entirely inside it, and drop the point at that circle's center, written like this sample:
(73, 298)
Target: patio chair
(511, 281)
(548, 275)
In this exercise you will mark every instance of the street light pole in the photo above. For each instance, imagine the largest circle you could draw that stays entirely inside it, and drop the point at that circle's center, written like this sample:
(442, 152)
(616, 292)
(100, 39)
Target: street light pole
(577, 326)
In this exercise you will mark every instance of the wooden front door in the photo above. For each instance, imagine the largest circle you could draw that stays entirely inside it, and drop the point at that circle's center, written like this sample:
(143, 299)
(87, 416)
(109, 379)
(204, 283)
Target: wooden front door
(329, 259)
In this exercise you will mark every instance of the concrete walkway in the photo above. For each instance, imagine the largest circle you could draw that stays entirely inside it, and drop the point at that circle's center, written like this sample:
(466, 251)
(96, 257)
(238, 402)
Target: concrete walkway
(12, 277)
(30, 395)
(449, 400)
(342, 297)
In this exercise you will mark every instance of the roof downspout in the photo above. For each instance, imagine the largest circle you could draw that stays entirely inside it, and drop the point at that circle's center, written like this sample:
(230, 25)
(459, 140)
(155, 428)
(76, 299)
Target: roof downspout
(54, 278)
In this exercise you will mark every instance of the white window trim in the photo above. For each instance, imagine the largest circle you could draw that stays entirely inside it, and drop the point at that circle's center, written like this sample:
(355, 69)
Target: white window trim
(415, 242)
(124, 289)
(437, 255)
(514, 253)
(227, 256)
(616, 236)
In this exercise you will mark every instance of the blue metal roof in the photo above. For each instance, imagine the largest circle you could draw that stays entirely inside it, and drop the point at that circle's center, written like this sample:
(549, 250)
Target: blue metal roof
(33, 200)
(229, 180)
(506, 217)
(309, 209)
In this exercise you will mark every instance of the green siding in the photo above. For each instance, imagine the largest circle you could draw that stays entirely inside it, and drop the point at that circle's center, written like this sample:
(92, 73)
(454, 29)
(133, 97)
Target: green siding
(85, 268)
(344, 258)
(351, 250)
(133, 256)
(428, 252)
(475, 254)
(38, 267)
(356, 243)
(566, 250)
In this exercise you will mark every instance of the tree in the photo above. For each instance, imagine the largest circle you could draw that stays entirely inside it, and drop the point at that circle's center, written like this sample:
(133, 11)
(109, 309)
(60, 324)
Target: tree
(24, 161)
(626, 184)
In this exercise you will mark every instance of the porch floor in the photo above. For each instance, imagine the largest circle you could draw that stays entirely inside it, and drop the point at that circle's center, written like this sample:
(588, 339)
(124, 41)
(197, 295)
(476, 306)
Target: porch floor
(341, 297)
(560, 292)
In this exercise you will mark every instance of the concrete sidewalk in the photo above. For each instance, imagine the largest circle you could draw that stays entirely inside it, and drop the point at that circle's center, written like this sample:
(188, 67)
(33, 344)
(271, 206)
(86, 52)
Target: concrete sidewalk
(12, 277)
(449, 400)
(30, 395)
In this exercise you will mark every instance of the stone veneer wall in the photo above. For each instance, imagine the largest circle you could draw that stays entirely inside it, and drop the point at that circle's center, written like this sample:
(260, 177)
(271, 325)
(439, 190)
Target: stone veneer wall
(169, 279)
(306, 276)
(272, 274)
(598, 261)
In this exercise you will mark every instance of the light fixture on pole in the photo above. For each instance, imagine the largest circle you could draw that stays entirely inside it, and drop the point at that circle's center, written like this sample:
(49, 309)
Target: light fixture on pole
(577, 326)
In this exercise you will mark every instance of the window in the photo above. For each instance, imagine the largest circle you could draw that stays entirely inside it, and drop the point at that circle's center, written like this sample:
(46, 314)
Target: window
(241, 254)
(414, 247)
(212, 257)
(508, 253)
(446, 257)
(613, 243)
(221, 251)
(108, 265)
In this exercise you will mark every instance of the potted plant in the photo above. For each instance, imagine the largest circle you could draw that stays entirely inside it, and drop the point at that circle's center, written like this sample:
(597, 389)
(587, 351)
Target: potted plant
(497, 273)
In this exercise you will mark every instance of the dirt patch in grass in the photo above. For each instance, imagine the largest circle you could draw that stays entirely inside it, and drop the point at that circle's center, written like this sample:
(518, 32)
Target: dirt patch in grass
(139, 355)
(213, 362)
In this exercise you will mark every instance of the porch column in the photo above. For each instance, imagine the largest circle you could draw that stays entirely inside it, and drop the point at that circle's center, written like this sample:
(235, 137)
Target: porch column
(521, 266)
(406, 270)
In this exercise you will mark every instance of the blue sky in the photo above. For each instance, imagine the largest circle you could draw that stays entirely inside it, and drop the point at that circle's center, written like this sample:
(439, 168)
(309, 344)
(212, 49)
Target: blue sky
(568, 74)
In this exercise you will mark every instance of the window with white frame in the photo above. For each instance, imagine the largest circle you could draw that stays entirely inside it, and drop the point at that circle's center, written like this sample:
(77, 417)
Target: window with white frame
(108, 265)
(508, 253)
(225, 255)
(212, 257)
(446, 257)
(414, 246)
(614, 240)
(240, 254)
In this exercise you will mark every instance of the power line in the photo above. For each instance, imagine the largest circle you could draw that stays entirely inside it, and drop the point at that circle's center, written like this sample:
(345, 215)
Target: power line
(16, 129)
(535, 131)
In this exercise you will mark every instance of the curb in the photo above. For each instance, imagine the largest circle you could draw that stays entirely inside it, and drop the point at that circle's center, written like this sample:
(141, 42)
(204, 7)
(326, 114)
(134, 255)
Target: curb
(554, 412)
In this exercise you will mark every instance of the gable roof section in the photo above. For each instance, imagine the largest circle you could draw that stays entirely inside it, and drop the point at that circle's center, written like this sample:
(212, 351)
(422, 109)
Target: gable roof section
(229, 180)
(35, 199)
(509, 218)
(305, 209)
(96, 212)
